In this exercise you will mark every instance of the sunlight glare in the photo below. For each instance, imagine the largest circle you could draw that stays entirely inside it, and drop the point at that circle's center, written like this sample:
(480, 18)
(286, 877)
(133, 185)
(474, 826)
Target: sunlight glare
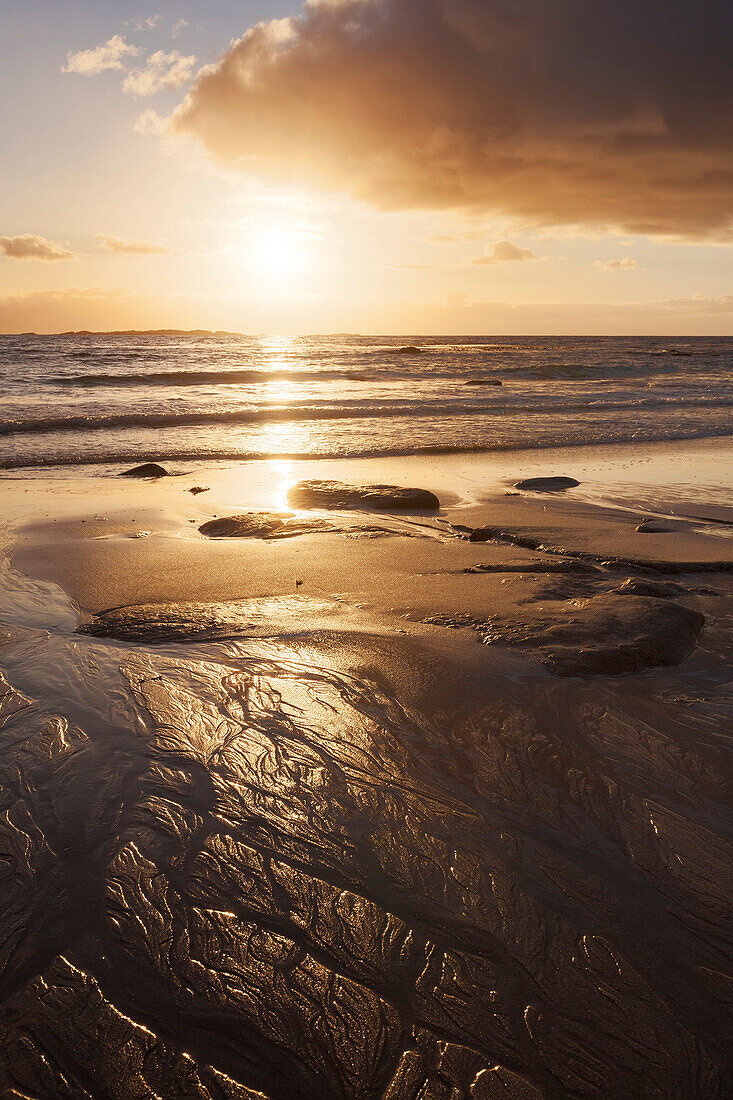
(279, 250)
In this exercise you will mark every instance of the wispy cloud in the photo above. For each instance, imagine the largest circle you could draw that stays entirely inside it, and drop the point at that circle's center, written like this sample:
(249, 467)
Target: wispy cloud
(29, 246)
(146, 23)
(178, 26)
(626, 264)
(161, 70)
(503, 252)
(150, 123)
(109, 55)
(125, 247)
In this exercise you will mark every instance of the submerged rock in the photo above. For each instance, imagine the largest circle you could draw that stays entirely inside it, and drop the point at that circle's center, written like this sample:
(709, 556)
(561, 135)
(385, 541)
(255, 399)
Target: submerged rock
(148, 469)
(409, 349)
(547, 484)
(383, 498)
(484, 382)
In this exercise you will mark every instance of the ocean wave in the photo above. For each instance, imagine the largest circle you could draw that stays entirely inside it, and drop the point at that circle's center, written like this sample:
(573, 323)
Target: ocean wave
(346, 410)
(205, 378)
(117, 458)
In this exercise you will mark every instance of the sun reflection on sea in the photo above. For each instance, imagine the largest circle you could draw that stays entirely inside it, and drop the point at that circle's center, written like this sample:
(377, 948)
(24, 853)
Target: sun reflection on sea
(277, 352)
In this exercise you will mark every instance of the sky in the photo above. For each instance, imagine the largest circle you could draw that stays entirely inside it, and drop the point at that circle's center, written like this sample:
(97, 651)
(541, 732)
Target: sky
(375, 166)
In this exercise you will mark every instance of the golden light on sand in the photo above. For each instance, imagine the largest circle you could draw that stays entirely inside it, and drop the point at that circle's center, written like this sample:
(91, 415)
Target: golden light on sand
(283, 477)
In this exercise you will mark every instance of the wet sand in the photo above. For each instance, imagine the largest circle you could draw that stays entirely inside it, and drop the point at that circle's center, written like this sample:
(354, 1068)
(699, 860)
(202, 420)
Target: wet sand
(376, 811)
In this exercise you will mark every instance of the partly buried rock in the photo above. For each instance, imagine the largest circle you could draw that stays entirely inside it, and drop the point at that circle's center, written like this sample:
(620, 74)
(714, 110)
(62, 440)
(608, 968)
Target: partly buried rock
(383, 498)
(602, 635)
(653, 527)
(206, 622)
(483, 382)
(658, 590)
(148, 469)
(547, 484)
(196, 489)
(250, 525)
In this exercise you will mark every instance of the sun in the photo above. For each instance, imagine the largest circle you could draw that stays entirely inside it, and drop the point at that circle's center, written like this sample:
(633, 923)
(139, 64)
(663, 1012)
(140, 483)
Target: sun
(279, 249)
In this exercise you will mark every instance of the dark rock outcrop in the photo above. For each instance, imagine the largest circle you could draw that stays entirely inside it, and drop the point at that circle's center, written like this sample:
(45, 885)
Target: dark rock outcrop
(148, 469)
(602, 635)
(196, 489)
(409, 349)
(382, 498)
(484, 382)
(547, 484)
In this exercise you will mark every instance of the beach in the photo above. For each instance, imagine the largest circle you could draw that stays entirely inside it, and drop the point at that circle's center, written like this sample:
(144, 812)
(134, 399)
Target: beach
(366, 551)
(370, 802)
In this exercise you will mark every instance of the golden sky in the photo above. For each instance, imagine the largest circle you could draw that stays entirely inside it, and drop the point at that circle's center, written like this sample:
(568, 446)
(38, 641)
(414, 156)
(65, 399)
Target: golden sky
(405, 166)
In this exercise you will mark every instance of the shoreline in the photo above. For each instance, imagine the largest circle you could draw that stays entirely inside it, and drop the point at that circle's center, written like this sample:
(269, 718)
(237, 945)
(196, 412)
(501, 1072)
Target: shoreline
(34, 469)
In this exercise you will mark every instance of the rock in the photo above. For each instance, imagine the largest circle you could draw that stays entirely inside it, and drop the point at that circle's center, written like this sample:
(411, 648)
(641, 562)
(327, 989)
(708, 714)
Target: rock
(148, 469)
(409, 349)
(653, 527)
(383, 498)
(547, 484)
(658, 590)
(602, 635)
(250, 525)
(196, 489)
(272, 525)
(484, 382)
(571, 567)
(202, 622)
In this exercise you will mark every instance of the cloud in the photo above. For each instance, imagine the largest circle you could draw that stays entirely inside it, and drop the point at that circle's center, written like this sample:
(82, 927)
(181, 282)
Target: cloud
(162, 70)
(504, 251)
(147, 23)
(107, 56)
(553, 112)
(627, 264)
(131, 248)
(178, 26)
(29, 246)
(149, 122)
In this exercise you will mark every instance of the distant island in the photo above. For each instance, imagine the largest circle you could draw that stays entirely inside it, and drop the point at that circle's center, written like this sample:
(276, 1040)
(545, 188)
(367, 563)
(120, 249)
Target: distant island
(170, 332)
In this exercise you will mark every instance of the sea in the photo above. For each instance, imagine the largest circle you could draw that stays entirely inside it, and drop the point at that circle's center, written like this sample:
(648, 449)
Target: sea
(82, 400)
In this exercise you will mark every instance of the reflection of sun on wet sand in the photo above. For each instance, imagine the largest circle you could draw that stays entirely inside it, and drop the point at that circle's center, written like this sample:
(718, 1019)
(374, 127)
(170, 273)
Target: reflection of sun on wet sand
(447, 818)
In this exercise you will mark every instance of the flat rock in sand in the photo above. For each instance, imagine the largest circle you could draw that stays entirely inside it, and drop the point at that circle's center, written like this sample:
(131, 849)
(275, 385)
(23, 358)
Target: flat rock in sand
(658, 590)
(147, 469)
(547, 484)
(382, 498)
(602, 635)
(261, 525)
(205, 622)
